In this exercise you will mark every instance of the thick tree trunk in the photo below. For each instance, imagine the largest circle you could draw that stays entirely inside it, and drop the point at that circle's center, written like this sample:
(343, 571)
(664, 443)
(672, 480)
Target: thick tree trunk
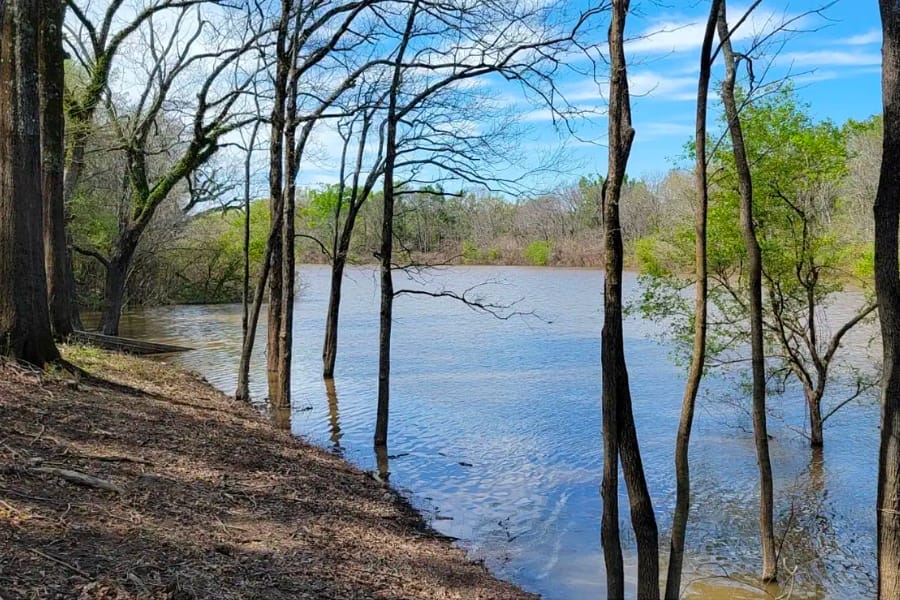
(60, 279)
(114, 294)
(757, 350)
(329, 348)
(24, 316)
(816, 424)
(615, 386)
(698, 357)
(276, 204)
(887, 289)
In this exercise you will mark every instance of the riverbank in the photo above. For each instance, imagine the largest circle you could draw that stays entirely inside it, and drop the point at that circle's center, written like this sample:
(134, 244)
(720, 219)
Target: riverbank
(156, 485)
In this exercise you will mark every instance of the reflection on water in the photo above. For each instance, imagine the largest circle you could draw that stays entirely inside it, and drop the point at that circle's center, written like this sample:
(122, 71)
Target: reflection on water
(280, 414)
(495, 433)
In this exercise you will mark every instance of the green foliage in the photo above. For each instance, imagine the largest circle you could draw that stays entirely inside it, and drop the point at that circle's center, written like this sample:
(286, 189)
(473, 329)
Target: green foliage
(209, 267)
(538, 253)
(797, 167)
(470, 252)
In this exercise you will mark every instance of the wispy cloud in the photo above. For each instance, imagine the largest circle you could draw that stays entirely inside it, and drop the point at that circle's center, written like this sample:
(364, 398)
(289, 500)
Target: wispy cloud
(680, 35)
(658, 129)
(863, 39)
(831, 58)
(642, 83)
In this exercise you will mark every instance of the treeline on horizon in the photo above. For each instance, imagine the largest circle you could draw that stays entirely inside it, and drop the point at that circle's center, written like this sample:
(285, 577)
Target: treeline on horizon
(192, 252)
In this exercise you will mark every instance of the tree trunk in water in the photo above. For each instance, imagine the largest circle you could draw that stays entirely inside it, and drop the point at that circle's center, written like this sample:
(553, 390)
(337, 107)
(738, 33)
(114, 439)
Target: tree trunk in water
(60, 279)
(387, 242)
(276, 203)
(816, 425)
(757, 350)
(618, 420)
(698, 357)
(329, 349)
(114, 295)
(24, 316)
(243, 383)
(887, 290)
(276, 296)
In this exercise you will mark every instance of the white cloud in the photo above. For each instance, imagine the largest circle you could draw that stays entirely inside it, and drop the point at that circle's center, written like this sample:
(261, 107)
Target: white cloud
(830, 58)
(641, 83)
(663, 129)
(863, 39)
(687, 34)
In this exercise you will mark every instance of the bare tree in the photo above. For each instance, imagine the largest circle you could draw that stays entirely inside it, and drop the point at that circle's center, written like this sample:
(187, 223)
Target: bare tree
(620, 440)
(482, 39)
(24, 316)
(757, 347)
(155, 164)
(698, 356)
(887, 289)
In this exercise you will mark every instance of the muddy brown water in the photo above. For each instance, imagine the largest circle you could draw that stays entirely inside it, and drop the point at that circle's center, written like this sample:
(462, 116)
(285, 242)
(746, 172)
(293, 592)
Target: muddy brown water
(495, 431)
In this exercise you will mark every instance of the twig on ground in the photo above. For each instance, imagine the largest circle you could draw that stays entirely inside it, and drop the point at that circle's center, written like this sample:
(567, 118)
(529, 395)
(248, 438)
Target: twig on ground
(60, 562)
(79, 478)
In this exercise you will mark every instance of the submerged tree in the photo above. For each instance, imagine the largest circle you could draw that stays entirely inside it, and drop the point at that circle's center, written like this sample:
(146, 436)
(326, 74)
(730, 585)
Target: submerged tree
(798, 172)
(754, 284)
(698, 356)
(620, 440)
(24, 316)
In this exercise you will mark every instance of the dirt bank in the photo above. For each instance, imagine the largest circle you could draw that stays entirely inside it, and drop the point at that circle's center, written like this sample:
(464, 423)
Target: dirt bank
(195, 496)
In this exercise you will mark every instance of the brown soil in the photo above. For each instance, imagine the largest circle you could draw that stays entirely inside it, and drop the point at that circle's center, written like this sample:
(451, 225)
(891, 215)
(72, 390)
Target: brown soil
(214, 502)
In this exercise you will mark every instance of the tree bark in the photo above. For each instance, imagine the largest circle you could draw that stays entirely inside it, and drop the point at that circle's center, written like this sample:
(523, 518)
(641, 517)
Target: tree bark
(25, 333)
(816, 423)
(387, 241)
(698, 357)
(618, 420)
(754, 266)
(887, 290)
(117, 273)
(243, 392)
(62, 299)
(329, 348)
(276, 203)
(243, 382)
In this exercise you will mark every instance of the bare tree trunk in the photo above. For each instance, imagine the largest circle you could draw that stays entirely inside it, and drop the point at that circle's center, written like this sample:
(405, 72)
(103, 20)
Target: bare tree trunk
(276, 205)
(887, 289)
(60, 279)
(387, 241)
(698, 357)
(245, 290)
(24, 315)
(243, 382)
(816, 423)
(616, 390)
(757, 350)
(329, 348)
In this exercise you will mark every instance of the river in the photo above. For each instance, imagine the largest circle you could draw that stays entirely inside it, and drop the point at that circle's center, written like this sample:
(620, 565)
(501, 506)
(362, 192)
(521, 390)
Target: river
(495, 431)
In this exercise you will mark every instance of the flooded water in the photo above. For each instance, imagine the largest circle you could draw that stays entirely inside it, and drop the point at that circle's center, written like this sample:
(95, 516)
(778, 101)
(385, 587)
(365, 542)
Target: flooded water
(495, 432)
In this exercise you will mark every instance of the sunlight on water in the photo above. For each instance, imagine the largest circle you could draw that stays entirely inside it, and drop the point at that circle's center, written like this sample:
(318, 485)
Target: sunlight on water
(495, 431)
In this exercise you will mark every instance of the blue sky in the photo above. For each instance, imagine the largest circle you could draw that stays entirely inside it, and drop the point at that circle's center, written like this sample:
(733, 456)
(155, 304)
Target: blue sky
(834, 59)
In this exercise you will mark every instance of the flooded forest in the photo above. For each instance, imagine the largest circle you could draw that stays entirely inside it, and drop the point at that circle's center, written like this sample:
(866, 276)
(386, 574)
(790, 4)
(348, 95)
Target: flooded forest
(471, 299)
